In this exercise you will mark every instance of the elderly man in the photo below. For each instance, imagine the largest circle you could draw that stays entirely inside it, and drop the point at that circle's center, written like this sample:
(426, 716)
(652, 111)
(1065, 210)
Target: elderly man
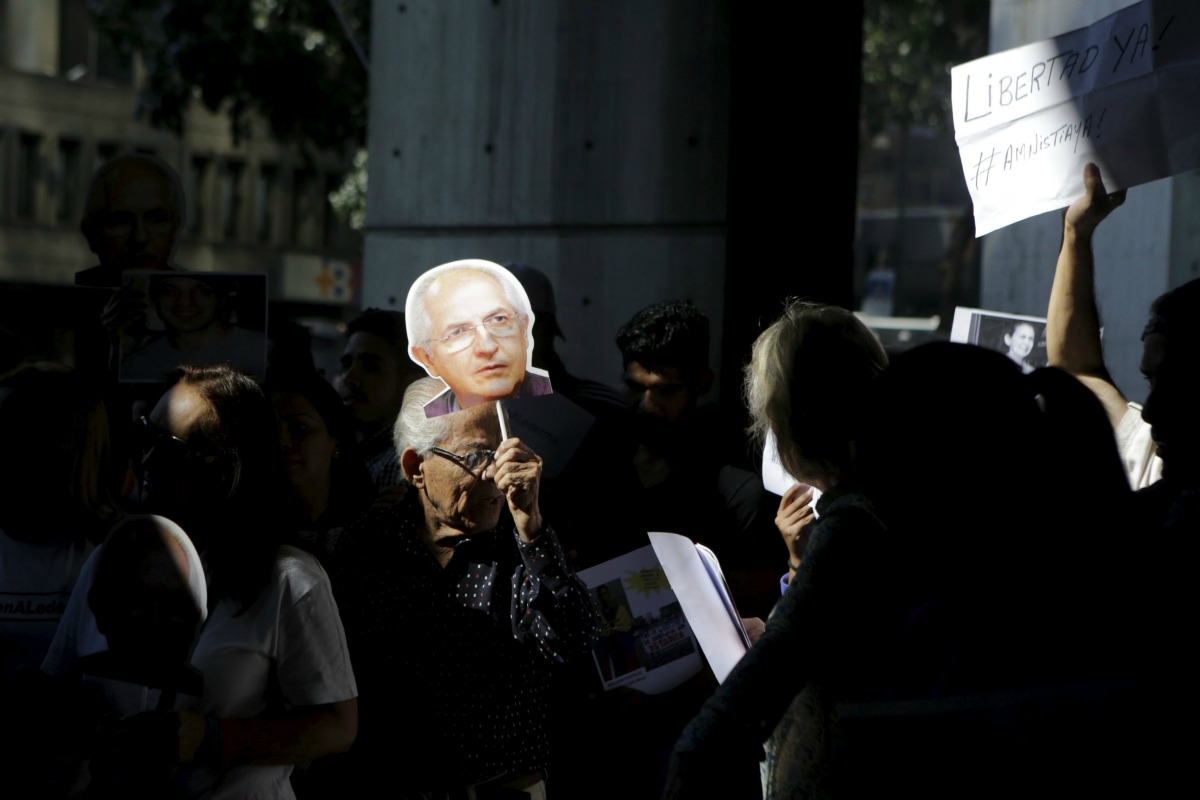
(469, 323)
(458, 615)
(132, 216)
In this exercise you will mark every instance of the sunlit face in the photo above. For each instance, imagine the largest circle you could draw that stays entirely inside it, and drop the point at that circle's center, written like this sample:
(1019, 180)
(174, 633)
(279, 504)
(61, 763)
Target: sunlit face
(306, 442)
(491, 367)
(137, 228)
(185, 305)
(182, 475)
(452, 496)
(1020, 341)
(371, 382)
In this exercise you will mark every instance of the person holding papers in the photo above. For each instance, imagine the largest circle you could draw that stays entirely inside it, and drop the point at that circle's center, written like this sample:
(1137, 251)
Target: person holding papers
(460, 612)
(942, 643)
(806, 382)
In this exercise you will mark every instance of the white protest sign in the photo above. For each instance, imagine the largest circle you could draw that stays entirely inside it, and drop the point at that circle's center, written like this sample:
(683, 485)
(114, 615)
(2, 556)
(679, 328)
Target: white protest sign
(1123, 92)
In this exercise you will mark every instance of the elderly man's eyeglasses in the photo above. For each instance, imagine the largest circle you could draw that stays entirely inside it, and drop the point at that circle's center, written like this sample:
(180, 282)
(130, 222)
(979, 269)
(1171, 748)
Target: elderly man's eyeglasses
(499, 325)
(472, 462)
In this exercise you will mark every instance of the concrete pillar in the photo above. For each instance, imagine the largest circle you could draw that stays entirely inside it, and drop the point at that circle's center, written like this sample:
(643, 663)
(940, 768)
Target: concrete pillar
(31, 35)
(588, 139)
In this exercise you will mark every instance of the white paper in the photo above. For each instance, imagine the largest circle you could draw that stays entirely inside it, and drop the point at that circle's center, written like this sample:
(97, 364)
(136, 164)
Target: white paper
(1123, 92)
(706, 602)
(775, 478)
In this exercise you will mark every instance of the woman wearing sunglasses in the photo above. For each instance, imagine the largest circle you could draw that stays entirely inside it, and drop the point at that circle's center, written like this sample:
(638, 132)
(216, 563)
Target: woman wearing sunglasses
(277, 683)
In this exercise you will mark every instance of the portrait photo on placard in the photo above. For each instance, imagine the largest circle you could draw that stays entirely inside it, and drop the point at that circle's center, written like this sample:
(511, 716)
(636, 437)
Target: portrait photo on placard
(1021, 338)
(470, 325)
(195, 318)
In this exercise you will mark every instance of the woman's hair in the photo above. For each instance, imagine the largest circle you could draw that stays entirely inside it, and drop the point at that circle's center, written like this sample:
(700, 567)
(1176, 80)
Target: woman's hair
(54, 430)
(807, 376)
(241, 426)
(413, 429)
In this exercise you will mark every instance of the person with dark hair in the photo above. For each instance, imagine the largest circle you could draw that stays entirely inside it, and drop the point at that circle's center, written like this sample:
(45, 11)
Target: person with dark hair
(664, 349)
(55, 505)
(197, 312)
(375, 372)
(55, 502)
(277, 683)
(1166, 430)
(330, 483)
(692, 469)
(1159, 443)
(684, 470)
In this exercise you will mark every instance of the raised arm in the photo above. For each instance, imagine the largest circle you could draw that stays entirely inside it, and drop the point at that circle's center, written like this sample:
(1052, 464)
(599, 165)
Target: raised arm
(1072, 322)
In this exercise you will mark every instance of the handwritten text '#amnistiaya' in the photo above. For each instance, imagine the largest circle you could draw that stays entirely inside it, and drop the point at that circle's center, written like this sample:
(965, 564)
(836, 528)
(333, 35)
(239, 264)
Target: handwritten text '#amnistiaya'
(1014, 155)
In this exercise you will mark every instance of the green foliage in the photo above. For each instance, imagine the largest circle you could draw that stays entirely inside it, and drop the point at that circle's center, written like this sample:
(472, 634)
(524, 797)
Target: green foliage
(293, 62)
(909, 47)
(349, 200)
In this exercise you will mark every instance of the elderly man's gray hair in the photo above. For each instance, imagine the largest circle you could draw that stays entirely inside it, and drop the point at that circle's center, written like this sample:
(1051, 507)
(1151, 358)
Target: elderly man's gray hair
(413, 429)
(416, 316)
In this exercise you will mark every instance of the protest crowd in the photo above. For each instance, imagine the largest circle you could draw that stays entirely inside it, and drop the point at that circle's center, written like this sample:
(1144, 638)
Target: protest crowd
(256, 580)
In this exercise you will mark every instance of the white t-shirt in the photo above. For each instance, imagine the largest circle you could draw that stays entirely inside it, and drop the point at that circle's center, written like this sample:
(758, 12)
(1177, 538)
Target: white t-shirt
(1139, 454)
(292, 631)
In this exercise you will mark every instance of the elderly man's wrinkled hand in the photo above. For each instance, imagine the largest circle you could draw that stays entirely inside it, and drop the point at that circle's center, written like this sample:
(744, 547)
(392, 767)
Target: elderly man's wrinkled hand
(1088, 211)
(517, 472)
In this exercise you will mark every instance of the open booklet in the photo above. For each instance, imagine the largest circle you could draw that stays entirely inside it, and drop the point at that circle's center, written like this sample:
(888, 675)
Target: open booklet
(661, 606)
(697, 580)
(645, 643)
